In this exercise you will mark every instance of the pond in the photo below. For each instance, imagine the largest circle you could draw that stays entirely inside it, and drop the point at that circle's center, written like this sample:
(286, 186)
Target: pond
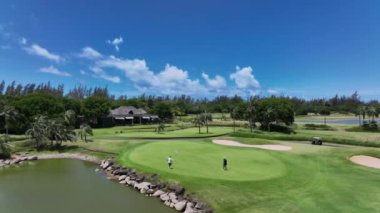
(63, 185)
(342, 121)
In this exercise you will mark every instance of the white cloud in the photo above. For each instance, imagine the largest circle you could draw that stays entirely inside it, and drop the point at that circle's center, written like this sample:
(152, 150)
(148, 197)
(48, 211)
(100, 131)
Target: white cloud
(244, 79)
(171, 80)
(54, 71)
(135, 70)
(99, 72)
(82, 72)
(90, 53)
(35, 49)
(272, 91)
(23, 41)
(116, 42)
(217, 83)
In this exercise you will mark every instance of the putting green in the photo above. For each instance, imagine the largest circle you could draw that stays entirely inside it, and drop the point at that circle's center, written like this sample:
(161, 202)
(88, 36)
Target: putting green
(204, 160)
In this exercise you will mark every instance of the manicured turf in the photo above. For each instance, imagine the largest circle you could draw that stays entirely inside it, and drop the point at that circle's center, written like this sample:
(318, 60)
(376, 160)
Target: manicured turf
(205, 160)
(340, 136)
(333, 116)
(306, 179)
(178, 133)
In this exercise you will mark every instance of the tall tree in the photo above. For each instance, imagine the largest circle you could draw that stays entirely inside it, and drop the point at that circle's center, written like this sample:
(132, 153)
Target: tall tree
(5, 149)
(10, 114)
(85, 130)
(38, 132)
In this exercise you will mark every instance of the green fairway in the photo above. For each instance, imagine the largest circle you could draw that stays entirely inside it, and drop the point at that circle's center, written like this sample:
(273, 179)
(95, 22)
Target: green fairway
(205, 160)
(306, 179)
(340, 136)
(128, 132)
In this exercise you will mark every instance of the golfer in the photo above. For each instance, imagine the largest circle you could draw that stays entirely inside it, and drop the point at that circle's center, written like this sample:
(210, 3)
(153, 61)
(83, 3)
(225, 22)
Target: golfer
(170, 162)
(225, 162)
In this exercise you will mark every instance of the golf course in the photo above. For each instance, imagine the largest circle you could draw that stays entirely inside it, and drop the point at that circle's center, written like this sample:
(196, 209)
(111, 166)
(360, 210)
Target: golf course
(305, 178)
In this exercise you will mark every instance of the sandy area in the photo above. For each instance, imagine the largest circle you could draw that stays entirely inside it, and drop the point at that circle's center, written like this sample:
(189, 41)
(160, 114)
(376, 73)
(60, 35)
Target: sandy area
(268, 147)
(69, 156)
(366, 161)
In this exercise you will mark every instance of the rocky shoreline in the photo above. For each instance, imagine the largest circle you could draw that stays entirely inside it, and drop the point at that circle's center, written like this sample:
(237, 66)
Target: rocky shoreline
(173, 196)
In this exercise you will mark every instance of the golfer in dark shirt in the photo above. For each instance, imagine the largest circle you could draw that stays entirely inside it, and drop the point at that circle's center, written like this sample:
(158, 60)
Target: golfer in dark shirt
(225, 163)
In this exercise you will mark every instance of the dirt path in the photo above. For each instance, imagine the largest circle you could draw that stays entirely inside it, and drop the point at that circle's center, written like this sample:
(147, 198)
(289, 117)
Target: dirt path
(366, 161)
(267, 147)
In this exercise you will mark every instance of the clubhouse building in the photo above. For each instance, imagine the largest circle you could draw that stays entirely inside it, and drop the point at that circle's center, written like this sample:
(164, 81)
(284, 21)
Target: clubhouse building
(130, 115)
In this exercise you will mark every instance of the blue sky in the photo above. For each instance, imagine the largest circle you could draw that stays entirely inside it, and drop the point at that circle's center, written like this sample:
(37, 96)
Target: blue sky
(201, 48)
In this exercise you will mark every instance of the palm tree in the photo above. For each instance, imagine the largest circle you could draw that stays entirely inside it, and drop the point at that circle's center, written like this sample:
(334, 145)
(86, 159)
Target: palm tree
(205, 117)
(5, 149)
(361, 112)
(38, 131)
(70, 118)
(85, 130)
(268, 116)
(161, 127)
(10, 114)
(252, 109)
(198, 122)
(372, 113)
(234, 115)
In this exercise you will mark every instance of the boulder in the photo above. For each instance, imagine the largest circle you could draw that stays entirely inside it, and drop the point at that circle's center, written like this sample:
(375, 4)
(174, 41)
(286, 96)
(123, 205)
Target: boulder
(122, 177)
(190, 205)
(32, 158)
(149, 191)
(106, 164)
(200, 205)
(190, 210)
(158, 193)
(164, 197)
(167, 203)
(181, 205)
(120, 172)
(174, 201)
(140, 178)
(123, 182)
(172, 196)
(178, 190)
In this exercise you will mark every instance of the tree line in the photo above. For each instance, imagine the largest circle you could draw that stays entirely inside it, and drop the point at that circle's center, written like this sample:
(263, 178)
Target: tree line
(92, 105)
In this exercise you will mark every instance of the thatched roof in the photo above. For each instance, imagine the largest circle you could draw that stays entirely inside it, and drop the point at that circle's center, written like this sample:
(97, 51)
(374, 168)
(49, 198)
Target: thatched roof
(127, 110)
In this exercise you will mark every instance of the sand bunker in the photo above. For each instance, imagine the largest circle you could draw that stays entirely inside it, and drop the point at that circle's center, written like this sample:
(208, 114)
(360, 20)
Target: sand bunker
(366, 161)
(268, 147)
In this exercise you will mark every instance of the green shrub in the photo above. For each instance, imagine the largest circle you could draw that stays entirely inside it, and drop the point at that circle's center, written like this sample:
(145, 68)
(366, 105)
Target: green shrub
(317, 127)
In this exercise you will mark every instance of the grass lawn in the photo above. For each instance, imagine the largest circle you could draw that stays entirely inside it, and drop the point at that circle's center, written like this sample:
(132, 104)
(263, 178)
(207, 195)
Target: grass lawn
(340, 136)
(333, 116)
(306, 179)
(177, 133)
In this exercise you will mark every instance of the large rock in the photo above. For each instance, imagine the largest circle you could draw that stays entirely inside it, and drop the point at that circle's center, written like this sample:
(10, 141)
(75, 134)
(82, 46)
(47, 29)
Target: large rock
(143, 185)
(164, 197)
(181, 205)
(172, 196)
(122, 177)
(106, 164)
(178, 190)
(32, 158)
(120, 172)
(158, 193)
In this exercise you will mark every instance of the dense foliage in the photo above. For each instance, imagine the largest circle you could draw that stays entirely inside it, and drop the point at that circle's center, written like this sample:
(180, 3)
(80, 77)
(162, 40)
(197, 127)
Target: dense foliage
(91, 105)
